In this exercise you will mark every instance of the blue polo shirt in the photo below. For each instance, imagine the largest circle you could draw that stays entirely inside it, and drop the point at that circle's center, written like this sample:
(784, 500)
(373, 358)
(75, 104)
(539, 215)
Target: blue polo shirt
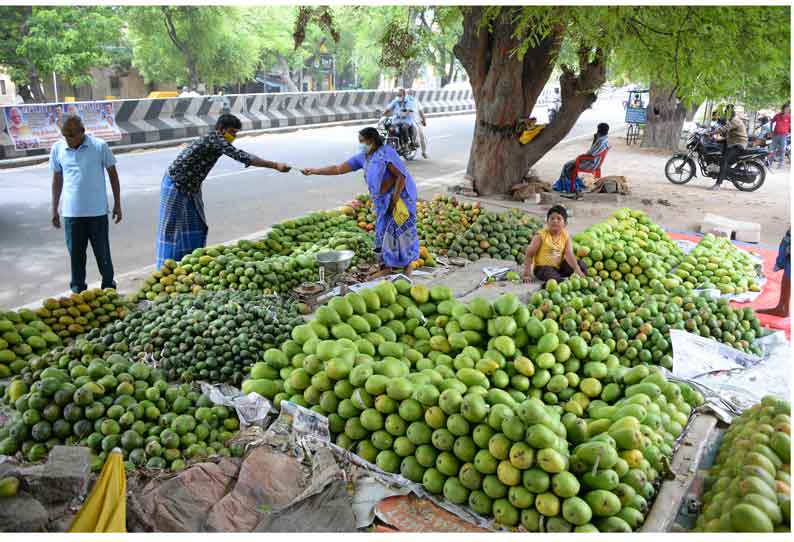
(84, 188)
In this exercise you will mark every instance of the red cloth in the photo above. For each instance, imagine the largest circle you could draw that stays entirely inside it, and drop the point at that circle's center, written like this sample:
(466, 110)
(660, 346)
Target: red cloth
(771, 292)
(782, 124)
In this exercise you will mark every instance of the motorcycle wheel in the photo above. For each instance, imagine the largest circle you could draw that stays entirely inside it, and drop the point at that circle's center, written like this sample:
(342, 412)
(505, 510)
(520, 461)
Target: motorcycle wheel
(679, 170)
(760, 176)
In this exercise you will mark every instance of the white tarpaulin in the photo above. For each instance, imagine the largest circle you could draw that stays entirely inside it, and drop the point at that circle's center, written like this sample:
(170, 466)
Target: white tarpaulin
(737, 379)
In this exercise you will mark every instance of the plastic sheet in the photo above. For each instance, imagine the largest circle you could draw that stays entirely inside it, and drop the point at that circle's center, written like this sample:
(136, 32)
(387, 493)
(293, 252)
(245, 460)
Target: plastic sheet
(732, 381)
(252, 409)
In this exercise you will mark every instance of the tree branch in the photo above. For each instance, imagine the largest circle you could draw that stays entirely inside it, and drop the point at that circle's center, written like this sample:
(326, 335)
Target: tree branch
(171, 29)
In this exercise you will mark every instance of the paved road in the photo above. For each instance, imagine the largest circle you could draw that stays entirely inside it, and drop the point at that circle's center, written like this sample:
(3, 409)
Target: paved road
(33, 258)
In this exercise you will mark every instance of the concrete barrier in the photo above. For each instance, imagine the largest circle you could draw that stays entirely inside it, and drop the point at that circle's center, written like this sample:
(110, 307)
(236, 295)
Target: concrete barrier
(165, 119)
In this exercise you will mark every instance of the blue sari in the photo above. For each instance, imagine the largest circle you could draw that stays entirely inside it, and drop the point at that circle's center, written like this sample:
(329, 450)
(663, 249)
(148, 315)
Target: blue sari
(398, 245)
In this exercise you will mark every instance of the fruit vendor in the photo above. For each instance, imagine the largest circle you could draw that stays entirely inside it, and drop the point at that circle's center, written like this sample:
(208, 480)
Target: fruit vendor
(600, 144)
(78, 164)
(783, 262)
(550, 254)
(183, 225)
(393, 194)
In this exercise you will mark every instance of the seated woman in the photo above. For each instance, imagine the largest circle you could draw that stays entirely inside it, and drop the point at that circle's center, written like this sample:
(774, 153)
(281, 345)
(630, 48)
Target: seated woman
(550, 254)
(600, 144)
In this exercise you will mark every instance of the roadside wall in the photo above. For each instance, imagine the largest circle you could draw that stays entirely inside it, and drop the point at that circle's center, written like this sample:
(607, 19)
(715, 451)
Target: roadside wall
(156, 120)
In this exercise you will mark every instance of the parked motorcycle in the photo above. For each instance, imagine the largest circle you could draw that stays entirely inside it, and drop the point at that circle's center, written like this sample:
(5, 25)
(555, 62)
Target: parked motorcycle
(747, 173)
(391, 136)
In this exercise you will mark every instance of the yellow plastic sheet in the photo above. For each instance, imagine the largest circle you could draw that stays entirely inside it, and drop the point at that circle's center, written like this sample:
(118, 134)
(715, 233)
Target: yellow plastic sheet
(400, 212)
(530, 134)
(105, 509)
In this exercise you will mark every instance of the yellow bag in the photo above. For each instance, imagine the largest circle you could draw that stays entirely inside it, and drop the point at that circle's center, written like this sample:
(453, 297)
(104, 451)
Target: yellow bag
(400, 212)
(105, 509)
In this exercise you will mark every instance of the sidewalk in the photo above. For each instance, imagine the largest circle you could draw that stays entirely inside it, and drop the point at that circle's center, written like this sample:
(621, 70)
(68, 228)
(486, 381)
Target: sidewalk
(684, 207)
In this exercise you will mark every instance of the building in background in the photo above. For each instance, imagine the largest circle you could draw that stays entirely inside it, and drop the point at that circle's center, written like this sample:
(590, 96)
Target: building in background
(8, 90)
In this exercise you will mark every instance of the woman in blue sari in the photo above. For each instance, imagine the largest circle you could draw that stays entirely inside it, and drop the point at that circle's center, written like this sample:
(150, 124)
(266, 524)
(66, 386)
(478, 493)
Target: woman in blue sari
(388, 181)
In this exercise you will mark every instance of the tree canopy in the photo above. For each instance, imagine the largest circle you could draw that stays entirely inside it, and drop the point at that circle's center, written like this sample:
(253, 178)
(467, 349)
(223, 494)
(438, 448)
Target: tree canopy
(36, 41)
(192, 45)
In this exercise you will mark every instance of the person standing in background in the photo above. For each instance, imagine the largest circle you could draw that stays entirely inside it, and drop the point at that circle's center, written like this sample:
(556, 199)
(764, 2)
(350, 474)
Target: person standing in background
(78, 163)
(781, 130)
(420, 121)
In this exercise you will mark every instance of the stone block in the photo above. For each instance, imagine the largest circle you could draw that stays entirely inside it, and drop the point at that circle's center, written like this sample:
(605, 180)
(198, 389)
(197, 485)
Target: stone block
(748, 232)
(64, 477)
(23, 514)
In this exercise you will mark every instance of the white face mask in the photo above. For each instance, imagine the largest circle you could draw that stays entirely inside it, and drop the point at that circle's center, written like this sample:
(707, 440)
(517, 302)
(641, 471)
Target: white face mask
(363, 147)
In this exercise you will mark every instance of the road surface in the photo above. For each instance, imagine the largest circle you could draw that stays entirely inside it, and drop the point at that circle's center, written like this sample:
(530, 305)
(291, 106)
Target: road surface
(33, 260)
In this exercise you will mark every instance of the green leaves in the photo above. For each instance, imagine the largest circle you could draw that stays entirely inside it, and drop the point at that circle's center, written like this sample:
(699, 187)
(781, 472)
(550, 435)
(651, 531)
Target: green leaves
(210, 44)
(36, 41)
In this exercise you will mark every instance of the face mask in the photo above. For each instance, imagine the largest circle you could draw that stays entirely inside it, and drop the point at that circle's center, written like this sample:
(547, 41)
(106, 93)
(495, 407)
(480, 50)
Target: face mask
(363, 147)
(229, 137)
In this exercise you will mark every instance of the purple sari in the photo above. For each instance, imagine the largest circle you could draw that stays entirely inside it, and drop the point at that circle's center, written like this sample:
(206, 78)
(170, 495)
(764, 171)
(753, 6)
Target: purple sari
(398, 245)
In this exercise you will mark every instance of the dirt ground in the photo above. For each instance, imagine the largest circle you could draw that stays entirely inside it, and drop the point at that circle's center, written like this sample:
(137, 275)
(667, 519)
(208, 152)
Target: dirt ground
(684, 207)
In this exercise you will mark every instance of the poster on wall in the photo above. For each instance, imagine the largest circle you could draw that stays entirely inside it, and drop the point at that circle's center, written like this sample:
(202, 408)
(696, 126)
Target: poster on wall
(39, 126)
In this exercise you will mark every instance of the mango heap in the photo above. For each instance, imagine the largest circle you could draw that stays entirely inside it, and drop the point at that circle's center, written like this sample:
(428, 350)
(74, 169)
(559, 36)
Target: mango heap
(635, 324)
(717, 263)
(79, 313)
(628, 246)
(503, 236)
(282, 260)
(442, 220)
(212, 336)
(23, 336)
(749, 487)
(485, 404)
(82, 399)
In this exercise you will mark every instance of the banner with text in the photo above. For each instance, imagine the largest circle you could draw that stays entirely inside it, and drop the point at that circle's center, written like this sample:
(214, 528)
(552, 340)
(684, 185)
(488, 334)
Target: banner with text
(39, 126)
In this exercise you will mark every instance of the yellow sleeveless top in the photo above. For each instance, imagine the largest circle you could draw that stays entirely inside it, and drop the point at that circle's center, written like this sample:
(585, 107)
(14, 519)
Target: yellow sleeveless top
(551, 250)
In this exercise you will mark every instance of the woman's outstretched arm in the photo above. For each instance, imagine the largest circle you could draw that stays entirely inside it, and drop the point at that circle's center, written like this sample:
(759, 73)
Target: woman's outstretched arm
(341, 169)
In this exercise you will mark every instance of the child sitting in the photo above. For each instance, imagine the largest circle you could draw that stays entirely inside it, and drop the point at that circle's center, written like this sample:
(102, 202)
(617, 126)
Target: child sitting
(550, 254)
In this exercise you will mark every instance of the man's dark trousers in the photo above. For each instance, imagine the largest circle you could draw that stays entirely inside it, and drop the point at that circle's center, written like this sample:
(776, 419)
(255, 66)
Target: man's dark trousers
(79, 231)
(728, 158)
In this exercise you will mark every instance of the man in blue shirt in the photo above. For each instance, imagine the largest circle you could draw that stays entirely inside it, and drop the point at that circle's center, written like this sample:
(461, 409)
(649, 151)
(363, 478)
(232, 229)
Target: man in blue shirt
(402, 109)
(78, 165)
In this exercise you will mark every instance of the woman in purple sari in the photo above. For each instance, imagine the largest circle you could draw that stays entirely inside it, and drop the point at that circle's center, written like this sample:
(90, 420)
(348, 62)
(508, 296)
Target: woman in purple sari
(388, 181)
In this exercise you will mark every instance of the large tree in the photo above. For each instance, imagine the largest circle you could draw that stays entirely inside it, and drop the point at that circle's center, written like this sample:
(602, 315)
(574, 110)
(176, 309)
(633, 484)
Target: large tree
(509, 55)
(192, 45)
(36, 41)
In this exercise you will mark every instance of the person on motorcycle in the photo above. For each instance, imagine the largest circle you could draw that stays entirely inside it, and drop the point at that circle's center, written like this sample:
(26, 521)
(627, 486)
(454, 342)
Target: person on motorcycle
(735, 135)
(401, 109)
(419, 121)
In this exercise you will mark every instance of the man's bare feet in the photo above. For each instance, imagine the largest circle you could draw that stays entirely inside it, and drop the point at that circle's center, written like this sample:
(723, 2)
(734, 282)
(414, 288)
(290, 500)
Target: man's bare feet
(408, 270)
(775, 311)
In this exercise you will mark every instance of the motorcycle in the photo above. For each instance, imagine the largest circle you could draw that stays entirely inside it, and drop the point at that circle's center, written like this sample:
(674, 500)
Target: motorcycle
(747, 173)
(392, 136)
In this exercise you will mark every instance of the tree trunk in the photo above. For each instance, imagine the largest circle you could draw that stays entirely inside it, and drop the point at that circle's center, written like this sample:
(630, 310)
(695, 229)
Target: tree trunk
(690, 114)
(286, 78)
(506, 88)
(666, 116)
(410, 73)
(34, 89)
